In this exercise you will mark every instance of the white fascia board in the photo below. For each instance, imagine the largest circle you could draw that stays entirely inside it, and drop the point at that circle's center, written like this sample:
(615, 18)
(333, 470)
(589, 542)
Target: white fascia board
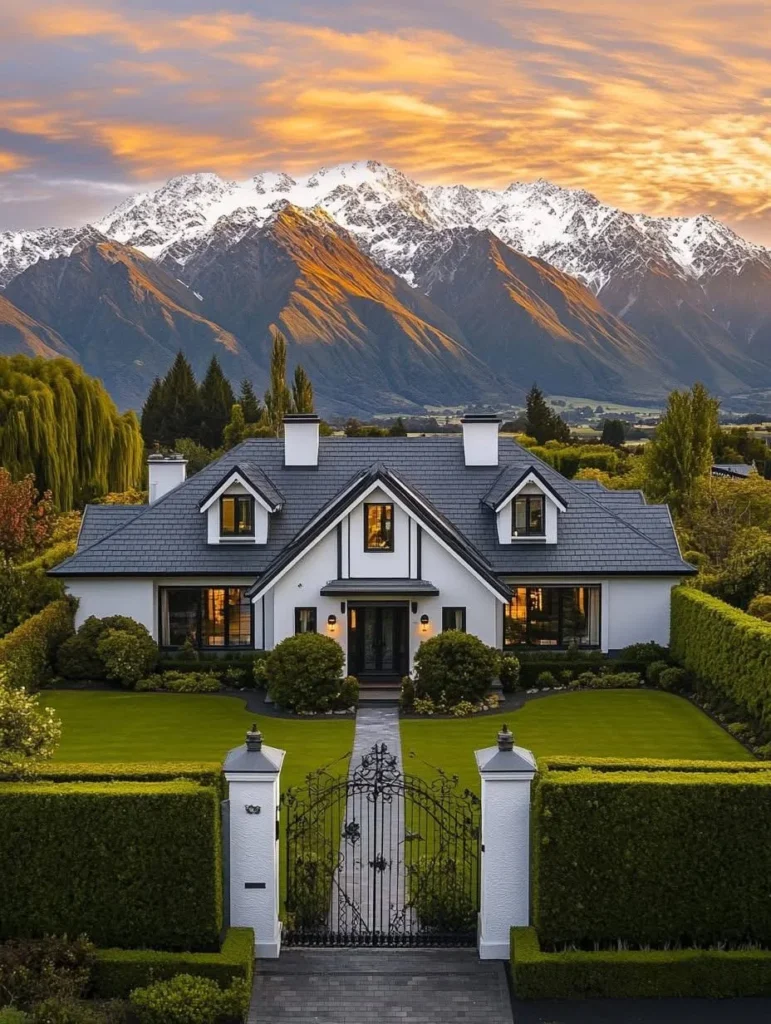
(236, 478)
(380, 485)
(531, 478)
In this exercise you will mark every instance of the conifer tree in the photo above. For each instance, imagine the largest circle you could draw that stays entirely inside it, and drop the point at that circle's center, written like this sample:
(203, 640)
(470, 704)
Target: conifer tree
(542, 423)
(216, 398)
(180, 404)
(250, 404)
(152, 412)
(302, 391)
(278, 397)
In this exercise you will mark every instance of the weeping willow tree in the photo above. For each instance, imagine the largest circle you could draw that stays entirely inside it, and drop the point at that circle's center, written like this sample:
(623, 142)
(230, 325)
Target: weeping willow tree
(61, 425)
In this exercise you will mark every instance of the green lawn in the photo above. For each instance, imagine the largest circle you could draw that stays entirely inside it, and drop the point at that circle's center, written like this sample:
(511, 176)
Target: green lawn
(595, 723)
(107, 726)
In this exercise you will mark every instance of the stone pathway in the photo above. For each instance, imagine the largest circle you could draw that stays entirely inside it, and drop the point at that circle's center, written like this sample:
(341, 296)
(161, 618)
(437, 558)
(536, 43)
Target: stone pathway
(375, 986)
(365, 898)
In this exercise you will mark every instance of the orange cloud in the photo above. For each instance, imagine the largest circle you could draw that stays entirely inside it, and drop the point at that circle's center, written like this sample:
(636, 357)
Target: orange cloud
(11, 161)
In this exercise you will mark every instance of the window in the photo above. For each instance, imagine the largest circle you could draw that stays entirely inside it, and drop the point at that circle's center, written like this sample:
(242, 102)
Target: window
(378, 527)
(305, 620)
(237, 516)
(553, 617)
(454, 618)
(527, 516)
(206, 617)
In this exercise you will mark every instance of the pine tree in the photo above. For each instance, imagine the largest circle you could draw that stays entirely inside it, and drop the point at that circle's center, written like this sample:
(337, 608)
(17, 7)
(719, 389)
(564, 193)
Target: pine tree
(302, 391)
(613, 432)
(397, 429)
(250, 404)
(152, 414)
(542, 423)
(180, 404)
(216, 398)
(278, 397)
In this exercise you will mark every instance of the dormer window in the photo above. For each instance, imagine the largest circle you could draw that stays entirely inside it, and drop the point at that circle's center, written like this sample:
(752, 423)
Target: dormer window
(237, 515)
(379, 527)
(528, 517)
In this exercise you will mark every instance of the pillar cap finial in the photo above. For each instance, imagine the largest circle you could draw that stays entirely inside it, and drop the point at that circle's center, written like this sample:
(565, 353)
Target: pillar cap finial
(505, 739)
(254, 739)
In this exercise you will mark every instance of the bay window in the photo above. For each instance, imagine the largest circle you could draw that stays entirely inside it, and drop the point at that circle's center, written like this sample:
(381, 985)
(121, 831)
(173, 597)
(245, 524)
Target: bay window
(552, 616)
(208, 617)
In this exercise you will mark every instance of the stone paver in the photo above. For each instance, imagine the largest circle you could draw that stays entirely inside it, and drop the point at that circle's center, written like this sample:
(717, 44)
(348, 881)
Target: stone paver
(374, 986)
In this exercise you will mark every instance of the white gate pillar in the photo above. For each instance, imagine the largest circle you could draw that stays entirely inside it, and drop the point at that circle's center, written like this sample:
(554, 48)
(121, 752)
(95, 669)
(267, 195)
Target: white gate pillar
(506, 772)
(252, 772)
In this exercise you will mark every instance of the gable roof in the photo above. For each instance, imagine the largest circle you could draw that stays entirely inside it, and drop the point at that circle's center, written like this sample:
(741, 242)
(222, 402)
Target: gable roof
(254, 480)
(511, 480)
(100, 520)
(599, 534)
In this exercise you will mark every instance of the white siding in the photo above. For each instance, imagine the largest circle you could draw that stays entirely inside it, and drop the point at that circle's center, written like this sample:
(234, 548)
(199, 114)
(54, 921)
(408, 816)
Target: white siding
(299, 588)
(637, 610)
(377, 564)
(115, 596)
(457, 588)
(551, 513)
(260, 520)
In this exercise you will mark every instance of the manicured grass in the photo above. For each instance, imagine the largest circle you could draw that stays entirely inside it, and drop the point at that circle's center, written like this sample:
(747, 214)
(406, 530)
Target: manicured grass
(595, 723)
(107, 726)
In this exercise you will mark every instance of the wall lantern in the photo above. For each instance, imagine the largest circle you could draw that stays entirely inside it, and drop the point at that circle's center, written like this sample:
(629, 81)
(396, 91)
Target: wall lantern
(424, 623)
(332, 621)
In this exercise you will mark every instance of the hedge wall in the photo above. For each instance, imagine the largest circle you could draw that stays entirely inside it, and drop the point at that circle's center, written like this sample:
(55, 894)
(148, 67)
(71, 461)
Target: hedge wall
(118, 971)
(565, 763)
(624, 975)
(27, 652)
(206, 773)
(127, 863)
(724, 646)
(652, 857)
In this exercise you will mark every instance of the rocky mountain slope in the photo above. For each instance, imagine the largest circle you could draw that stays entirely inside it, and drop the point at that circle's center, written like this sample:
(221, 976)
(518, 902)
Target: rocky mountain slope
(20, 333)
(672, 299)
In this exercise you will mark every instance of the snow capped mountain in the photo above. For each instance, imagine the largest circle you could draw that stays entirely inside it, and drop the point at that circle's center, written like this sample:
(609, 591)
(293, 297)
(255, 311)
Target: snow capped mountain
(395, 219)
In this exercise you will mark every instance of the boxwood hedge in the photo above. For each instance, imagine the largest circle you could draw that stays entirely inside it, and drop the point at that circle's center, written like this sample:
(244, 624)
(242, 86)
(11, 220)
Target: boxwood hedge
(27, 653)
(127, 863)
(725, 647)
(652, 857)
(118, 971)
(615, 974)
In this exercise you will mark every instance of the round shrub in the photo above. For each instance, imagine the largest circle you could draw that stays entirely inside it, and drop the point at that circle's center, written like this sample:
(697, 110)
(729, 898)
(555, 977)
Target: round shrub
(126, 656)
(304, 671)
(78, 657)
(509, 673)
(654, 670)
(760, 607)
(185, 999)
(588, 679)
(348, 695)
(644, 653)
(673, 678)
(407, 695)
(181, 682)
(545, 680)
(455, 666)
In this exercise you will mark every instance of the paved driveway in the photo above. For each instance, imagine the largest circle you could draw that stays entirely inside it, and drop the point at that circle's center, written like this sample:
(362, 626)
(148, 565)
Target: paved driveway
(373, 986)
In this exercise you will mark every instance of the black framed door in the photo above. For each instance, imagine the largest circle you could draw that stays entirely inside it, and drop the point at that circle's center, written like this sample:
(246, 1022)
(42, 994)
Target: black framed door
(378, 641)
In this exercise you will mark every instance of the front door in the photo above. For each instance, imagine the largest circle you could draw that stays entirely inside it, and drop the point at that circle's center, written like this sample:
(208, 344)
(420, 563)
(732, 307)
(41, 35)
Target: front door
(377, 641)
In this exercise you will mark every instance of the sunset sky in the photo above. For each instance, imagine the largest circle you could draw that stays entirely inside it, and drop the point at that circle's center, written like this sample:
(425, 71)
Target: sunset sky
(662, 105)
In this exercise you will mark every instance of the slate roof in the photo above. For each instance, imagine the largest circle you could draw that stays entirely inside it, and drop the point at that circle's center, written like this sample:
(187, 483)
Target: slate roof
(99, 520)
(510, 478)
(738, 469)
(257, 480)
(602, 532)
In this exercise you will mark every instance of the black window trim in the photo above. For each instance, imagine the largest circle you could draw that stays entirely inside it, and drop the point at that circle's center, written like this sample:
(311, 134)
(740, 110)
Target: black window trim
(306, 608)
(446, 609)
(378, 504)
(200, 617)
(527, 498)
(559, 646)
(236, 535)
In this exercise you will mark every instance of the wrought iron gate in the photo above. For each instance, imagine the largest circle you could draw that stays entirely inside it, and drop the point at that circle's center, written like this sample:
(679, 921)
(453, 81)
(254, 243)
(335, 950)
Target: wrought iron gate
(379, 858)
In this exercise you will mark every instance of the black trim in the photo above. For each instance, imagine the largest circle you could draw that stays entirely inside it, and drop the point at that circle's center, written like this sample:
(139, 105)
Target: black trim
(495, 503)
(419, 553)
(339, 550)
(381, 505)
(451, 610)
(237, 499)
(528, 499)
(199, 621)
(561, 646)
(271, 502)
(314, 617)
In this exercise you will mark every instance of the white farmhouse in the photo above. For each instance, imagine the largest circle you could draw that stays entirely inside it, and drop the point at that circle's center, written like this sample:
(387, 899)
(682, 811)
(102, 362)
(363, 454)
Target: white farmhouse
(380, 543)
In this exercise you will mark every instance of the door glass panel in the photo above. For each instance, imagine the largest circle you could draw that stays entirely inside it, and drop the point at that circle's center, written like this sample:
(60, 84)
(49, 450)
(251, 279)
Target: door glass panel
(544, 613)
(370, 632)
(180, 616)
(387, 640)
(214, 617)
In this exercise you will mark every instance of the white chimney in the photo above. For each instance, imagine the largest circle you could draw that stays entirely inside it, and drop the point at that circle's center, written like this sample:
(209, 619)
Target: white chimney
(165, 473)
(480, 440)
(301, 439)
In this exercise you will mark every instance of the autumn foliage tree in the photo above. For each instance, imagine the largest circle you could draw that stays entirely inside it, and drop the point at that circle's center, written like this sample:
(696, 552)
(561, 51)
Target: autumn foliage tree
(26, 518)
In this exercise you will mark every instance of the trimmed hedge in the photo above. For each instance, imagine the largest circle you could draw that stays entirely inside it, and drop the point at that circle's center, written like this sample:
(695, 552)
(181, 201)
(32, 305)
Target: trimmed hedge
(725, 647)
(118, 971)
(205, 773)
(530, 670)
(129, 864)
(647, 764)
(654, 974)
(28, 652)
(652, 857)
